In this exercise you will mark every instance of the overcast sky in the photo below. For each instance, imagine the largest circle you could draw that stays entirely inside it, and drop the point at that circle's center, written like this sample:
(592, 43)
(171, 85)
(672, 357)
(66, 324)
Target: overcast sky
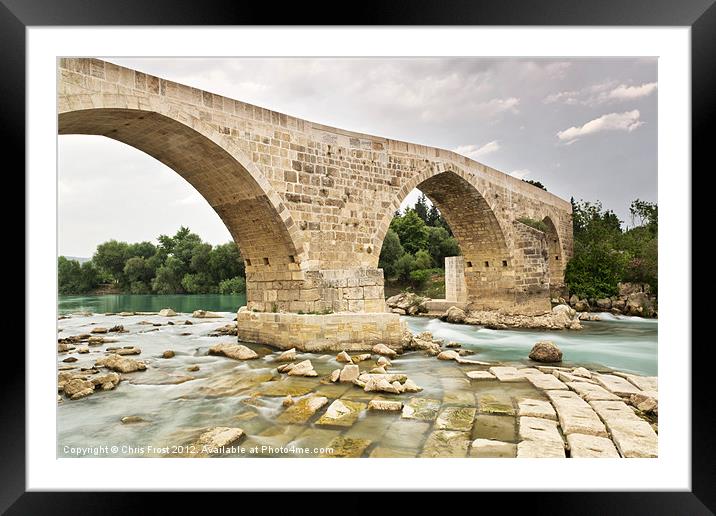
(585, 128)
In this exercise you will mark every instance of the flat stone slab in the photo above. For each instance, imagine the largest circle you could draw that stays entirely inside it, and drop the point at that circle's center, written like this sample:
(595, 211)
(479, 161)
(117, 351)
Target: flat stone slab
(468, 361)
(645, 383)
(567, 376)
(583, 446)
(617, 385)
(343, 446)
(575, 415)
(540, 450)
(497, 428)
(456, 418)
(342, 413)
(424, 409)
(507, 374)
(302, 410)
(385, 405)
(491, 449)
(539, 429)
(591, 391)
(480, 375)
(545, 381)
(536, 408)
(551, 369)
(492, 404)
(446, 443)
(391, 453)
(632, 436)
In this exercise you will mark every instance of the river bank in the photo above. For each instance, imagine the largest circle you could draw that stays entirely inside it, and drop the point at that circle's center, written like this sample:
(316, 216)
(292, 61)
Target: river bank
(186, 397)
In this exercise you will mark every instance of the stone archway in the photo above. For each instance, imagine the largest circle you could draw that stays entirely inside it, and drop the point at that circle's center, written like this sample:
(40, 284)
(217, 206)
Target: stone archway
(231, 184)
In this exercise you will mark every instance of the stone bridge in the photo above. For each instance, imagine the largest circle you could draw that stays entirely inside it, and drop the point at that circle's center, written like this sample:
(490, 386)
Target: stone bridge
(309, 205)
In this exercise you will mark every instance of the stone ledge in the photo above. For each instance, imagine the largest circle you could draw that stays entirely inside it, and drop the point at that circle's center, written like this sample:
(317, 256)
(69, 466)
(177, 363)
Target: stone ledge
(313, 332)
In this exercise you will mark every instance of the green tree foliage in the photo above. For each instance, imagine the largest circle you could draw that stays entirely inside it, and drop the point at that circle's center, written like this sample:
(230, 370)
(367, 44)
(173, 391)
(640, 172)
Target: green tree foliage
(76, 278)
(412, 231)
(179, 264)
(391, 251)
(605, 254)
(235, 285)
(421, 208)
(423, 260)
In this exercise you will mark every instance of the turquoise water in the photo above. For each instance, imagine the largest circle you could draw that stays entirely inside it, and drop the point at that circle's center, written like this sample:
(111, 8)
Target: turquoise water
(623, 343)
(150, 303)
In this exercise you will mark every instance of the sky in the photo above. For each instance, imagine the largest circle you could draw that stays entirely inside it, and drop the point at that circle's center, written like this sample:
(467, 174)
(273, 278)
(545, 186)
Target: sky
(585, 128)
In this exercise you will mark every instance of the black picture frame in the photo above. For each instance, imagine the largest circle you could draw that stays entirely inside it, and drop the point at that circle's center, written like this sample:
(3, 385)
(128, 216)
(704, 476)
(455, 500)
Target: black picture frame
(700, 15)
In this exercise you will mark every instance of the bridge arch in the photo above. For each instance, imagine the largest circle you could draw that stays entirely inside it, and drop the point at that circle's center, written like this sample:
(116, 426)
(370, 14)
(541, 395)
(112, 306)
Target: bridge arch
(555, 257)
(485, 244)
(212, 163)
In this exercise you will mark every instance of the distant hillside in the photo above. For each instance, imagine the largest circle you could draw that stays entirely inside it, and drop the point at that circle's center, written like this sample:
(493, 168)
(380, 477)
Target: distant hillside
(78, 258)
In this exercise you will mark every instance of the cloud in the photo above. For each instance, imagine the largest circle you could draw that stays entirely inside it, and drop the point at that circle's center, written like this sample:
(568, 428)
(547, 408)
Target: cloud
(624, 92)
(475, 152)
(520, 174)
(627, 121)
(601, 93)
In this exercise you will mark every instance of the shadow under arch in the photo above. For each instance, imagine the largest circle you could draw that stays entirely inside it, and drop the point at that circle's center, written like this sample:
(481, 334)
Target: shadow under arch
(555, 257)
(255, 216)
(488, 261)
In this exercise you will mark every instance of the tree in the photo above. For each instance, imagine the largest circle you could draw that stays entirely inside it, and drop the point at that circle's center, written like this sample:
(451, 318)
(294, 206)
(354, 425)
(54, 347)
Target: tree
(137, 269)
(169, 277)
(235, 285)
(421, 208)
(411, 230)
(225, 262)
(73, 278)
(440, 245)
(404, 266)
(391, 251)
(423, 260)
(110, 257)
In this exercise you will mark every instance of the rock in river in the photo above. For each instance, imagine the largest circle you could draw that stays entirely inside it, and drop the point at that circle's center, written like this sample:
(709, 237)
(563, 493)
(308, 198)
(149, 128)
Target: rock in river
(168, 354)
(167, 312)
(382, 349)
(235, 351)
(121, 364)
(454, 315)
(546, 351)
(448, 355)
(304, 368)
(203, 314)
(287, 356)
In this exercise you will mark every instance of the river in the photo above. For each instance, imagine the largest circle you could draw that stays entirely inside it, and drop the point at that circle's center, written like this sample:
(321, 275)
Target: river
(178, 402)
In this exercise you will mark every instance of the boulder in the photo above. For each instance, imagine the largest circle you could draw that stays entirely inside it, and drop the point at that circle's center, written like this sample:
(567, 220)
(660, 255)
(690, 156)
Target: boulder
(405, 301)
(121, 364)
(287, 356)
(344, 357)
(454, 315)
(304, 368)
(235, 351)
(128, 420)
(639, 304)
(582, 306)
(216, 438)
(167, 312)
(380, 385)
(168, 354)
(130, 350)
(570, 312)
(382, 349)
(99, 329)
(448, 355)
(118, 329)
(192, 368)
(349, 373)
(604, 304)
(360, 358)
(77, 388)
(383, 362)
(386, 405)
(411, 386)
(335, 375)
(70, 359)
(378, 370)
(573, 300)
(545, 351)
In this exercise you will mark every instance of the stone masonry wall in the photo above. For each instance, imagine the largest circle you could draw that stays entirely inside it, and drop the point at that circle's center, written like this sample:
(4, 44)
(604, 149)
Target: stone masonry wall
(455, 288)
(303, 200)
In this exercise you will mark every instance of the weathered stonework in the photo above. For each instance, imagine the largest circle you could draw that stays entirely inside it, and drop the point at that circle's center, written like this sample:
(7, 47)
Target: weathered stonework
(309, 205)
(455, 287)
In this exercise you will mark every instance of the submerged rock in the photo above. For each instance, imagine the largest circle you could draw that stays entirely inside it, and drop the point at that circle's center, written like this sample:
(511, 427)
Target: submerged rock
(302, 410)
(168, 354)
(203, 314)
(127, 420)
(546, 351)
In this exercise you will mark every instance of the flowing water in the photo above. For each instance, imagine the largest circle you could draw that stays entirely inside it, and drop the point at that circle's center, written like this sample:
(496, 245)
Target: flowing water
(178, 405)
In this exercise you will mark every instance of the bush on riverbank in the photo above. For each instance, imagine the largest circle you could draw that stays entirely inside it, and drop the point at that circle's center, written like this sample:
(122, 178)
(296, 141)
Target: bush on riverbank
(179, 264)
(606, 255)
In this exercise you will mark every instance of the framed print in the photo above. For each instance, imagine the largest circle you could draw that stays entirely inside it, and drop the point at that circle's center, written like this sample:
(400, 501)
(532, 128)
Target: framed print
(419, 256)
